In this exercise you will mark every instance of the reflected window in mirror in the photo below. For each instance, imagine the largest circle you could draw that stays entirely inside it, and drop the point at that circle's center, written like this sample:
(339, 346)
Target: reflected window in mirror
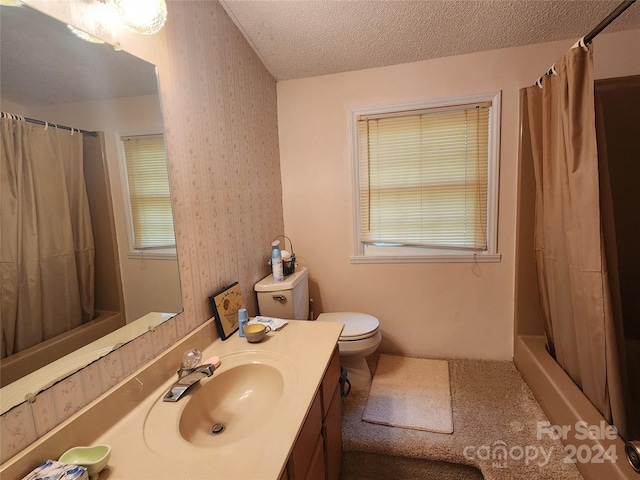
(147, 196)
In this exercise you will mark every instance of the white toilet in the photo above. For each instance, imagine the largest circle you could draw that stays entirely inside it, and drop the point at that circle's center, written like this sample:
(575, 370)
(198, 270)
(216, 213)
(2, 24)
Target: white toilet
(290, 300)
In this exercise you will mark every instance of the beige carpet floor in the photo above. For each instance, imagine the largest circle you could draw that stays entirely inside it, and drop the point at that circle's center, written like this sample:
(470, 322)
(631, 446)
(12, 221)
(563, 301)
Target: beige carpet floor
(492, 408)
(371, 466)
(411, 393)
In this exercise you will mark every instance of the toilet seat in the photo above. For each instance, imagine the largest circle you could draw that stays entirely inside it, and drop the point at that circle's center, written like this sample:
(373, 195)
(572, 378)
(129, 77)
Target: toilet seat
(357, 326)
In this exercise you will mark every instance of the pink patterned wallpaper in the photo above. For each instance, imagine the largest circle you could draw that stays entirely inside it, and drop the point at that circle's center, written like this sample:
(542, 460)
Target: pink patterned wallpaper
(219, 109)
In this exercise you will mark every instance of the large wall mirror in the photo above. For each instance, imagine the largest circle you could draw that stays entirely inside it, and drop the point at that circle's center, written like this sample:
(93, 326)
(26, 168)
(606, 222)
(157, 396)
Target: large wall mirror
(51, 75)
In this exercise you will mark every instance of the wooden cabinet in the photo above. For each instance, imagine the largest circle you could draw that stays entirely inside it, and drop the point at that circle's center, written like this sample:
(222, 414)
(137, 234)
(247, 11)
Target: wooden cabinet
(306, 442)
(330, 381)
(332, 436)
(317, 453)
(316, 467)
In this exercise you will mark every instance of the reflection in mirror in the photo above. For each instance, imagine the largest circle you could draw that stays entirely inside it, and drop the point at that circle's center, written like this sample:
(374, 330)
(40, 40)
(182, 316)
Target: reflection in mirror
(50, 75)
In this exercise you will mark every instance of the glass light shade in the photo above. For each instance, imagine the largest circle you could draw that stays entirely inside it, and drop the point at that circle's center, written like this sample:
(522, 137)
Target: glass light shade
(142, 16)
(84, 35)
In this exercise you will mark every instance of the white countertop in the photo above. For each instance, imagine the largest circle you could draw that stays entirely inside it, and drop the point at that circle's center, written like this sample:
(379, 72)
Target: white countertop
(306, 349)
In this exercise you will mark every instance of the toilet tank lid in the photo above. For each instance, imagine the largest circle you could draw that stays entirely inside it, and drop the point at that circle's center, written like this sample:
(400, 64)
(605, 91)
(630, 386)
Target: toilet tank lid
(355, 324)
(268, 285)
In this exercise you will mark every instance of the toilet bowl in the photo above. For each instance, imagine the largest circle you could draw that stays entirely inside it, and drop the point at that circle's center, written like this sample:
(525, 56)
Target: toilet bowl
(360, 338)
(290, 300)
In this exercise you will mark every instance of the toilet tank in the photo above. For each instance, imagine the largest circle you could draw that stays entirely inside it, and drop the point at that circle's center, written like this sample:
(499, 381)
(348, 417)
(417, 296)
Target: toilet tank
(287, 299)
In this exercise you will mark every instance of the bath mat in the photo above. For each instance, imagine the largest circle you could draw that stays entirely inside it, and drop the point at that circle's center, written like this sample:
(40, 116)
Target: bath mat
(411, 393)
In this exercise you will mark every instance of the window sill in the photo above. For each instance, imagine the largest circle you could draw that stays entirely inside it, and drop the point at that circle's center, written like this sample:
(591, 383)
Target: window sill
(162, 255)
(463, 258)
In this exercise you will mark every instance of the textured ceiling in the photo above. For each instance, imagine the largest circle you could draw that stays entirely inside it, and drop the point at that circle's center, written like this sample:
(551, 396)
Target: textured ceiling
(302, 38)
(42, 63)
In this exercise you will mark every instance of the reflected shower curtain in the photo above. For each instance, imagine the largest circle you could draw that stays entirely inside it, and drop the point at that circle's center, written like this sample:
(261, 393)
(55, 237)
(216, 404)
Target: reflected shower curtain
(46, 243)
(575, 292)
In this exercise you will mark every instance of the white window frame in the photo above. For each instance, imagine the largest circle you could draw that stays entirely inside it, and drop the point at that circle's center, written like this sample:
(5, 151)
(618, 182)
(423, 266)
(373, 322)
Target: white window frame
(169, 253)
(403, 254)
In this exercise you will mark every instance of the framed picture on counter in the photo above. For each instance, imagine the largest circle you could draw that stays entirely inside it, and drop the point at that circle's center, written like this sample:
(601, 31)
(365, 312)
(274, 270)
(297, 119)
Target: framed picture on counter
(225, 305)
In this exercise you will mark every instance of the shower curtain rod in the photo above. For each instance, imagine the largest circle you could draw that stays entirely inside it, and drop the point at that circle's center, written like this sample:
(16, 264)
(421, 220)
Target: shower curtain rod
(41, 122)
(610, 18)
(586, 40)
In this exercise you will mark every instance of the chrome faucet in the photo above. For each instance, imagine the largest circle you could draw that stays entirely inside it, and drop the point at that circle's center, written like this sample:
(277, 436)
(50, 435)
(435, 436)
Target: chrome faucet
(189, 374)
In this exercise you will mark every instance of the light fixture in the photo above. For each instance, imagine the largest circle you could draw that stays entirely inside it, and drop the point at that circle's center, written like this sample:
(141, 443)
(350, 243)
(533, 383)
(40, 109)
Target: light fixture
(142, 16)
(11, 3)
(84, 35)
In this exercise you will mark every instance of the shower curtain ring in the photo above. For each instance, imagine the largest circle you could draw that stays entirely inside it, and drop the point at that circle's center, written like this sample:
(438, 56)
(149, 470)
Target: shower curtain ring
(582, 44)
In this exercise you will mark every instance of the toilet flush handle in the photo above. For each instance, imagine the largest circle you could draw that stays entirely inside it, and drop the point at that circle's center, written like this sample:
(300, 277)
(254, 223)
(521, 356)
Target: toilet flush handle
(279, 298)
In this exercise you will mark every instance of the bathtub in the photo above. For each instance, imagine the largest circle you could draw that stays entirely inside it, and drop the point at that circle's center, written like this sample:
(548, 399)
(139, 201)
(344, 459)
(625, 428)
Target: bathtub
(27, 366)
(56, 369)
(565, 405)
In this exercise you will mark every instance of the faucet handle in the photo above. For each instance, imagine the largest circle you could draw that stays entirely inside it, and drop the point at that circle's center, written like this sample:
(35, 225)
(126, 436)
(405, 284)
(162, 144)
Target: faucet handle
(191, 359)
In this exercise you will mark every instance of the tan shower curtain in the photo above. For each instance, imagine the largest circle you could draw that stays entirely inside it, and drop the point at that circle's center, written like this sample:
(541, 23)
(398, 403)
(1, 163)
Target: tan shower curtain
(570, 254)
(46, 244)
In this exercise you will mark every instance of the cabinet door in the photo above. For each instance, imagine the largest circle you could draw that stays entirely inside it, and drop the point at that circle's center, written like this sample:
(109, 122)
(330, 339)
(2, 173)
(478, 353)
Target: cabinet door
(330, 380)
(304, 449)
(316, 467)
(332, 434)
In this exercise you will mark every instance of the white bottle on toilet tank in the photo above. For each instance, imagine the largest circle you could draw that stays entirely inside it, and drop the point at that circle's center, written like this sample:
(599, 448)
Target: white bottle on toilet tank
(276, 261)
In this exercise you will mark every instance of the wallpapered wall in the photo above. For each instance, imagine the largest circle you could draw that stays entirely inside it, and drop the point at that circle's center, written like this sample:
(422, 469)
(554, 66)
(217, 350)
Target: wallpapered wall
(219, 110)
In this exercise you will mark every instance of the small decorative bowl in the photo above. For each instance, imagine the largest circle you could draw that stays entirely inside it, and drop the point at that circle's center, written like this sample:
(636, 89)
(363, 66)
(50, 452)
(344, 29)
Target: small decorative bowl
(95, 459)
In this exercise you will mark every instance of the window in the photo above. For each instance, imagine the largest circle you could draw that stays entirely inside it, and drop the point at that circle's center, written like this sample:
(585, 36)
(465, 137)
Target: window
(147, 196)
(426, 181)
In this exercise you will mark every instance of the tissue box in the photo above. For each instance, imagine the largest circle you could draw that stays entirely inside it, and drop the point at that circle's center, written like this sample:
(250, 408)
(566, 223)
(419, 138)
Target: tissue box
(54, 470)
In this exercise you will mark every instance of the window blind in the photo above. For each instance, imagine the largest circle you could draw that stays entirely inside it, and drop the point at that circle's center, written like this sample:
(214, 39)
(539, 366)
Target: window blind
(149, 192)
(423, 177)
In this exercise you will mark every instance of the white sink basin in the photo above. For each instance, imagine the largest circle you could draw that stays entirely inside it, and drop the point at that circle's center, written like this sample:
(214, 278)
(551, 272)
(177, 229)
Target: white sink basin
(245, 395)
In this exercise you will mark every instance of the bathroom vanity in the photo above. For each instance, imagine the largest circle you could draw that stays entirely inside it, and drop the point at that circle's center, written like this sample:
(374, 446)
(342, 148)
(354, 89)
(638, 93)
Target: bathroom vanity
(278, 401)
(317, 453)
